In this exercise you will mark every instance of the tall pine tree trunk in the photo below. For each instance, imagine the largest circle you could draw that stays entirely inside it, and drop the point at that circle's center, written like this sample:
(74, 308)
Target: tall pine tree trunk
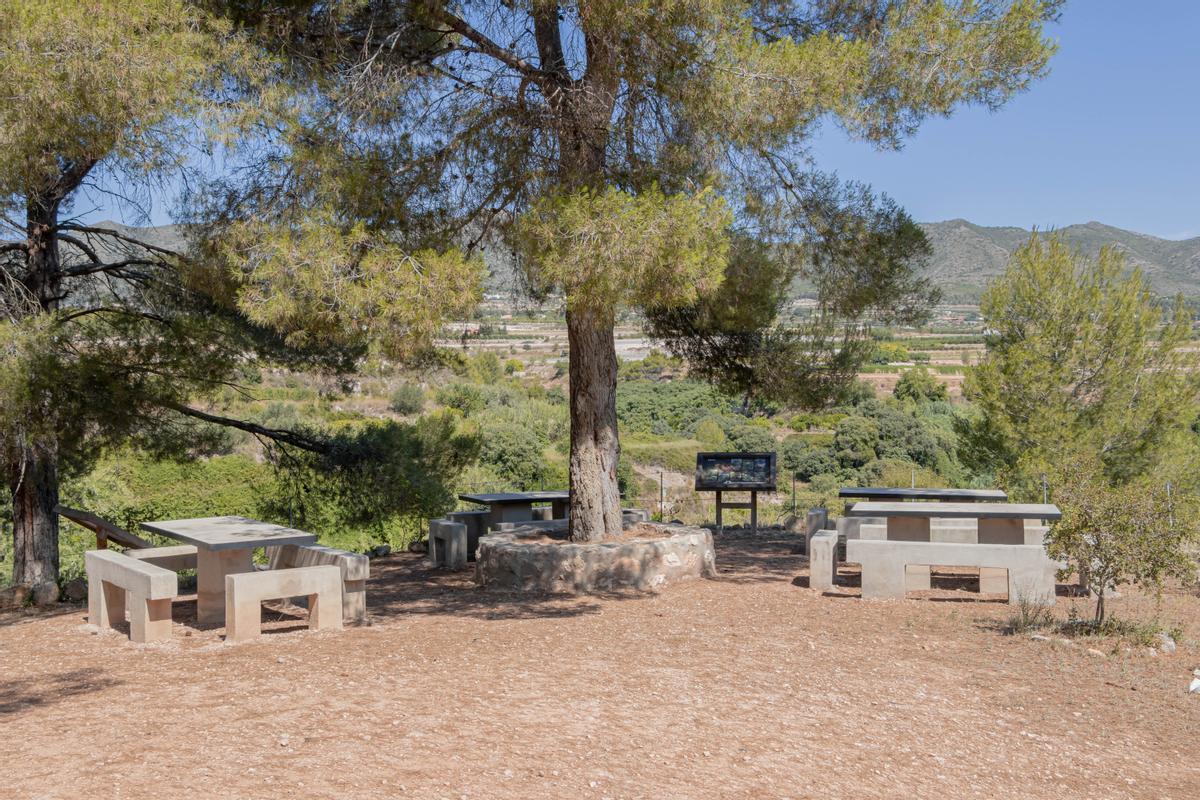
(595, 506)
(582, 109)
(33, 464)
(33, 485)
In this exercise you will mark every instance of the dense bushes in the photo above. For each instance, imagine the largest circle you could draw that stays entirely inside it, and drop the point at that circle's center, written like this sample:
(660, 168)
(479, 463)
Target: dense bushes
(667, 407)
(880, 442)
(514, 452)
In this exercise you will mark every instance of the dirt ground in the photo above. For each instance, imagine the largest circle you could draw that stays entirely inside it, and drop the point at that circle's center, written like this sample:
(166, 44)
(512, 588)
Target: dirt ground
(747, 686)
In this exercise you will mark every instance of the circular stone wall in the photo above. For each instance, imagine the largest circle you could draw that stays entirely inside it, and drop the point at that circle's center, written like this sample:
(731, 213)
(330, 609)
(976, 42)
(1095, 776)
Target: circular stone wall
(522, 559)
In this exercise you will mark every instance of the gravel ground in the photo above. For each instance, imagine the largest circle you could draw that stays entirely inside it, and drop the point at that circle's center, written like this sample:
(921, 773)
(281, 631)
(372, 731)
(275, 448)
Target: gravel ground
(747, 686)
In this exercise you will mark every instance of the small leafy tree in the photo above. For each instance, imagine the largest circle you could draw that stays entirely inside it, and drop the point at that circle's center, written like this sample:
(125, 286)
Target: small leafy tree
(1130, 532)
(1081, 356)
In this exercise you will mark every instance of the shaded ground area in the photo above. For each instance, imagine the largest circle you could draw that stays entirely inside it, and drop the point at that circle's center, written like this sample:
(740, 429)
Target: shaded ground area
(748, 686)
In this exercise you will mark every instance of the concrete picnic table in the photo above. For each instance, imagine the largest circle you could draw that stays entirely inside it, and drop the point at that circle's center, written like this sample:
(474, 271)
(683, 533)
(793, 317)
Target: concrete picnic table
(518, 506)
(224, 546)
(998, 523)
(960, 495)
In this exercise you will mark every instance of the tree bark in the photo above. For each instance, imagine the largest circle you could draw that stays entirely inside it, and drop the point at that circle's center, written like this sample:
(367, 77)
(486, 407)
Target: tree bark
(595, 504)
(583, 111)
(33, 463)
(33, 484)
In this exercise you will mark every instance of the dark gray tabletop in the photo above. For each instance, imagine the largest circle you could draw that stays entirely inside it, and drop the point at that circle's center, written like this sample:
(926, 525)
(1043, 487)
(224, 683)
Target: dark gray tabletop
(956, 510)
(885, 493)
(514, 498)
(229, 533)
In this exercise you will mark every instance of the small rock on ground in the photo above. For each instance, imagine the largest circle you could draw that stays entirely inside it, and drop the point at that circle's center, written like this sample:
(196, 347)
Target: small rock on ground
(75, 589)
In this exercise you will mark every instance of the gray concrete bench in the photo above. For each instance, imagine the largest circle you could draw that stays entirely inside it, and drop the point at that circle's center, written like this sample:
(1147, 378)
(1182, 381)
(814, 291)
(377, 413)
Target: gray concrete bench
(354, 568)
(117, 582)
(447, 544)
(1029, 572)
(246, 591)
(175, 557)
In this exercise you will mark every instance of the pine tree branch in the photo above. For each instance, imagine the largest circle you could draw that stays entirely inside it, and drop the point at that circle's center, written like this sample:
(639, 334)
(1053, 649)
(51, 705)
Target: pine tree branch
(280, 435)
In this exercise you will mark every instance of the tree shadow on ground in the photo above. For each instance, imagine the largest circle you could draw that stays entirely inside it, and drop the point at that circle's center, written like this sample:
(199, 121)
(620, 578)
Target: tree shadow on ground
(403, 585)
(21, 694)
(746, 557)
(28, 615)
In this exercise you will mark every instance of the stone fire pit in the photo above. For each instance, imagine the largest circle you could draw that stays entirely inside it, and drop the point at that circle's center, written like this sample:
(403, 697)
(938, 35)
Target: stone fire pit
(524, 559)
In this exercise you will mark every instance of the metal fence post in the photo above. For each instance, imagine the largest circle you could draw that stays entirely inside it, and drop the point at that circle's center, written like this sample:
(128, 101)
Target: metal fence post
(662, 511)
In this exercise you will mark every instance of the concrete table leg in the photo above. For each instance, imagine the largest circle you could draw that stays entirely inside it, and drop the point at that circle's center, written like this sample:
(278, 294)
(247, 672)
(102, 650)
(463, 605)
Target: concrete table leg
(998, 531)
(911, 529)
(211, 568)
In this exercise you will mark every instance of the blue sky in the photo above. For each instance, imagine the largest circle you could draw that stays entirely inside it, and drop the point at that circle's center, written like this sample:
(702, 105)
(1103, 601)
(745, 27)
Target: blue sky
(1113, 134)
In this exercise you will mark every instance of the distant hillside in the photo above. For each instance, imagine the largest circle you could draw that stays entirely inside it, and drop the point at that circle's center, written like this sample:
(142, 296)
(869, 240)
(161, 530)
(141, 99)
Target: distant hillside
(967, 256)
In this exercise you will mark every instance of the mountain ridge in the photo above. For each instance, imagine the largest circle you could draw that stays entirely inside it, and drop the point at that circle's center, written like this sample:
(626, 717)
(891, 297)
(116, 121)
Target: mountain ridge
(966, 255)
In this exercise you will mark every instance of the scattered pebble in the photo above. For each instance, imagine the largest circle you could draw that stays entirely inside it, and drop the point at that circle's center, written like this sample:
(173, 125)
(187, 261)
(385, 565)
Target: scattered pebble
(1195, 687)
(1094, 652)
(1166, 643)
(1037, 637)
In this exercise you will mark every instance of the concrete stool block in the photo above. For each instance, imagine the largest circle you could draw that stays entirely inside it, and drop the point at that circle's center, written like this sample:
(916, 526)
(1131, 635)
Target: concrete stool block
(447, 544)
(245, 592)
(822, 560)
(632, 516)
(816, 520)
(117, 582)
(477, 525)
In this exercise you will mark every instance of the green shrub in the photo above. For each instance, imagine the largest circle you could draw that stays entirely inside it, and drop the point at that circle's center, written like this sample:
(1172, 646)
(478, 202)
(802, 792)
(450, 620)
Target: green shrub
(408, 398)
(464, 397)
(710, 433)
(918, 385)
(485, 367)
(751, 439)
(855, 440)
(514, 452)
